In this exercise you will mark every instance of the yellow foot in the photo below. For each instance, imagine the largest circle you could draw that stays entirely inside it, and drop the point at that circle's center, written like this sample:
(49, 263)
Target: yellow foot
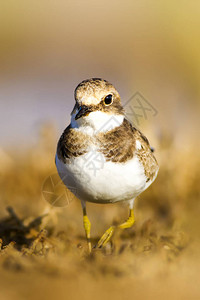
(108, 234)
(87, 226)
(106, 237)
(89, 247)
(129, 222)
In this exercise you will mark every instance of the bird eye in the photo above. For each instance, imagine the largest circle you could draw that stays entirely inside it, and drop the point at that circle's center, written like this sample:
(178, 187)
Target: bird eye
(108, 99)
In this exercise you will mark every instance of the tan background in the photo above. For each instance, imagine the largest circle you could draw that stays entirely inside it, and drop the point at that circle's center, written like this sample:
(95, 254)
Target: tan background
(47, 48)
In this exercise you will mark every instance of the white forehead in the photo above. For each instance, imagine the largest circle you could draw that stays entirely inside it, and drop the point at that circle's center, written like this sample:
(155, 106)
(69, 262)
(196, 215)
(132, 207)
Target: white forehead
(91, 98)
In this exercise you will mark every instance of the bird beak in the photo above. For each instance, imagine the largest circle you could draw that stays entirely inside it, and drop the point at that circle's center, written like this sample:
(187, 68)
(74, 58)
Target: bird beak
(83, 111)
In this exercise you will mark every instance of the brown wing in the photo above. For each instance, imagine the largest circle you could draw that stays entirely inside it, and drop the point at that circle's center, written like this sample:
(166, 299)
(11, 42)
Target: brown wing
(72, 144)
(119, 145)
(146, 157)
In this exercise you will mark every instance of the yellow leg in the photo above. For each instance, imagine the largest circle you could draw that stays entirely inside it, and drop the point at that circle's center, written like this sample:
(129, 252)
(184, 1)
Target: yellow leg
(109, 232)
(87, 226)
(129, 222)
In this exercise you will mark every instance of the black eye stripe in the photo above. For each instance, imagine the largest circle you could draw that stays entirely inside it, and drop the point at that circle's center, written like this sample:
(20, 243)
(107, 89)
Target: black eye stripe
(108, 99)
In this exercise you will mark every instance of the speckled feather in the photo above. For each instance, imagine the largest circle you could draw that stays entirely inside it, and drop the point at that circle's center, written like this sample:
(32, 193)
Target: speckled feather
(72, 144)
(117, 145)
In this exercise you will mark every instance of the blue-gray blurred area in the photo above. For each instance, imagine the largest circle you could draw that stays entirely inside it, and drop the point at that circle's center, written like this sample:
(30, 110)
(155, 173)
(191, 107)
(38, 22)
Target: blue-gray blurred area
(48, 47)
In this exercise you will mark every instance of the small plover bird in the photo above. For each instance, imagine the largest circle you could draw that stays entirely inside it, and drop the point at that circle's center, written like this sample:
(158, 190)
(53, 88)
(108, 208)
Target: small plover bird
(99, 129)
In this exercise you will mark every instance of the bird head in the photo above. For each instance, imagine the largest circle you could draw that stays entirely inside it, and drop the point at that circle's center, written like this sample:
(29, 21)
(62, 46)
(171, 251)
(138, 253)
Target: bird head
(97, 101)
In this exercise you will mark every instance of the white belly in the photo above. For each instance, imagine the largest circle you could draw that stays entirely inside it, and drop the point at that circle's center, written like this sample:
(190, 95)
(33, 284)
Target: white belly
(95, 180)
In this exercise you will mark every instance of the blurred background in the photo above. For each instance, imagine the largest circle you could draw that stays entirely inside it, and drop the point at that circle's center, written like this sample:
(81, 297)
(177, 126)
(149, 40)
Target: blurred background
(47, 48)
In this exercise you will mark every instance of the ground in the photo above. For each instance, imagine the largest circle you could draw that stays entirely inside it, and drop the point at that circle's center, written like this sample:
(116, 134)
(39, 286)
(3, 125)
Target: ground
(44, 254)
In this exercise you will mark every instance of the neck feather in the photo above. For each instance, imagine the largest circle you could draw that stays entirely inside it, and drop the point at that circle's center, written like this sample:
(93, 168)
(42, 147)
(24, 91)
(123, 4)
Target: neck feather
(97, 122)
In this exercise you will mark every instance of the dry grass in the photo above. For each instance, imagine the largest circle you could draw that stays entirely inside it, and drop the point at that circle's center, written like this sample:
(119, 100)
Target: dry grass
(43, 250)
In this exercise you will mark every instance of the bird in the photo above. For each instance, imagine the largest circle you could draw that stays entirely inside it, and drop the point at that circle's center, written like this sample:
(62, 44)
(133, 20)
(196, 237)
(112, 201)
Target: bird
(101, 157)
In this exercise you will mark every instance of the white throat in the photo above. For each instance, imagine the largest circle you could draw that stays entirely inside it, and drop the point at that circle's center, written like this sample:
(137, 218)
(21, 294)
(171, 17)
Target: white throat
(96, 121)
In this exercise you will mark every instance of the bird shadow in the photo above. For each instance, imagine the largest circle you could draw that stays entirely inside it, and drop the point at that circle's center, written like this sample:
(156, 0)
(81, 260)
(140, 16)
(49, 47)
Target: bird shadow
(13, 229)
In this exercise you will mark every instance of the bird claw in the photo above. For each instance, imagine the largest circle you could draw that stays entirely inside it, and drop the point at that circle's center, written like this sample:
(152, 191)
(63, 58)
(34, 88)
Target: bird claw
(105, 237)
